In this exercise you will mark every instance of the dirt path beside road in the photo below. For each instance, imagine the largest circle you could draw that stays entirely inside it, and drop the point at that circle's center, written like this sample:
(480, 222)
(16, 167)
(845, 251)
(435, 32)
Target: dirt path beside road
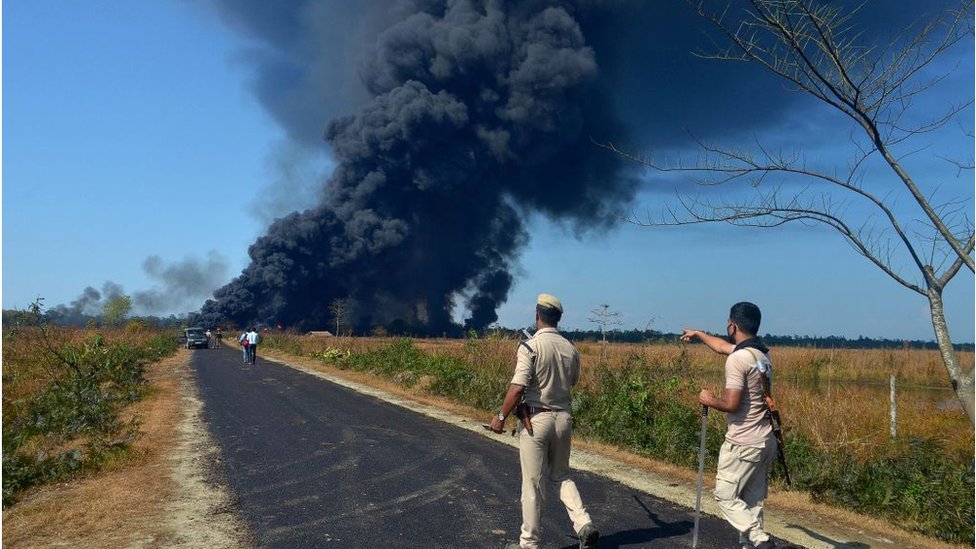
(163, 496)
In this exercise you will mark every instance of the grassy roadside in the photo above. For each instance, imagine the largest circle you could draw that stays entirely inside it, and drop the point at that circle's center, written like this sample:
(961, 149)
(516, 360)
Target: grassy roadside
(642, 405)
(64, 393)
(123, 504)
(162, 494)
(101, 446)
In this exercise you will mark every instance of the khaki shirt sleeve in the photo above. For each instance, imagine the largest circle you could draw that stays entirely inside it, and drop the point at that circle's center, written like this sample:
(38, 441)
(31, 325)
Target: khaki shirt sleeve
(524, 366)
(737, 367)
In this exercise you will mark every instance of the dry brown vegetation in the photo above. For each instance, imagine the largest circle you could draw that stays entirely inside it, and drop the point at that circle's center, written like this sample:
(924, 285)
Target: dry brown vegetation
(836, 397)
(123, 505)
(152, 489)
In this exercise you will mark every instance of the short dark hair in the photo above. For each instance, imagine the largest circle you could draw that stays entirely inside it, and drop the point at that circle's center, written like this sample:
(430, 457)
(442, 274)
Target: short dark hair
(549, 315)
(746, 316)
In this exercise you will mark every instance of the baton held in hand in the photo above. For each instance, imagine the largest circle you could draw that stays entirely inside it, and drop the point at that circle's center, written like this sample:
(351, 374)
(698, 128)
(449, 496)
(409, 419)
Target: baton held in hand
(701, 473)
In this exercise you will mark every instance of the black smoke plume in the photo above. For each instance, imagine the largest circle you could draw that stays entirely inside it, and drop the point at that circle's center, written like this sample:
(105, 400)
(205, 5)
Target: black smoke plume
(88, 305)
(180, 285)
(479, 115)
(470, 117)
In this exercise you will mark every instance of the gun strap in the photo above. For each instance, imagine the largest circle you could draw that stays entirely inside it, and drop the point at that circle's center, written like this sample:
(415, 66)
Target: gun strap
(523, 343)
(532, 353)
(773, 414)
(763, 378)
(768, 402)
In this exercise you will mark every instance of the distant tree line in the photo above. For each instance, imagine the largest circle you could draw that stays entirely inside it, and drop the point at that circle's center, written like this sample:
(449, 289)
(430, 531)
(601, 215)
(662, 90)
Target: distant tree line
(861, 342)
(402, 329)
(111, 317)
(817, 342)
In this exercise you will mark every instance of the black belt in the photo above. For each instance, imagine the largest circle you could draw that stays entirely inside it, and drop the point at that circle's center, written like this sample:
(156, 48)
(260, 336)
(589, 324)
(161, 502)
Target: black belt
(533, 410)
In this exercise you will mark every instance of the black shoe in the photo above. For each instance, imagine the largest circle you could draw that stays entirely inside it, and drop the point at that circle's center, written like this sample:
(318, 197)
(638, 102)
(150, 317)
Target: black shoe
(768, 544)
(588, 536)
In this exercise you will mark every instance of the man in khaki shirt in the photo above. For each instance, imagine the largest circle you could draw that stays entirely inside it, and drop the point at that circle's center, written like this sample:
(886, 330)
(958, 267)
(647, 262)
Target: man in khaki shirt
(547, 368)
(741, 481)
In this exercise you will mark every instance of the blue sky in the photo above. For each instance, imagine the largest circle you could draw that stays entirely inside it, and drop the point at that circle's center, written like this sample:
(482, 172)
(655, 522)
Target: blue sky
(131, 131)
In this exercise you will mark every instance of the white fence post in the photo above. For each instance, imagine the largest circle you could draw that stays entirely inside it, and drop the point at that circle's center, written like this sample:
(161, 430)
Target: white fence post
(894, 409)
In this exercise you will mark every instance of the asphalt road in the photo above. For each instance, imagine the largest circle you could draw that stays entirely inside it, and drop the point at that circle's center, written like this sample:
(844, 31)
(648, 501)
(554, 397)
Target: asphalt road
(313, 464)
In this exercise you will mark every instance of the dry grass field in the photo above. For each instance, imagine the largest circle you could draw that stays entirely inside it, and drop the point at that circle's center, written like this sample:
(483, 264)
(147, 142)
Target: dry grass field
(838, 398)
(110, 508)
(159, 494)
(64, 391)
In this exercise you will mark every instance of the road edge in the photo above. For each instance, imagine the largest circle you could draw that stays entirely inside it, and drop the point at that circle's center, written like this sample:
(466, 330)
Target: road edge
(202, 512)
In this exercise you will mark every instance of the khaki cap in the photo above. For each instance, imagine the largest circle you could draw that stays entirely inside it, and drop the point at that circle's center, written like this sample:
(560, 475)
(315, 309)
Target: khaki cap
(550, 301)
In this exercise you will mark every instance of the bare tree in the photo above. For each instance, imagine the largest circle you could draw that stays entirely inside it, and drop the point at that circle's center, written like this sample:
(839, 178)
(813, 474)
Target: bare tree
(339, 310)
(603, 317)
(817, 50)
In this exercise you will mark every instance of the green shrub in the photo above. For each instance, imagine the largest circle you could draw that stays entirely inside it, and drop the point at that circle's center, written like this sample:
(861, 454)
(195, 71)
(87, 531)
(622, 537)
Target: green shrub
(73, 422)
(915, 484)
(400, 360)
(645, 409)
(282, 342)
(330, 355)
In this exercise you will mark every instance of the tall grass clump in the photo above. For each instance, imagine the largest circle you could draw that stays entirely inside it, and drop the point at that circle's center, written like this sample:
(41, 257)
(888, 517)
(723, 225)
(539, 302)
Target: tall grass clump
(914, 482)
(644, 408)
(443, 375)
(63, 392)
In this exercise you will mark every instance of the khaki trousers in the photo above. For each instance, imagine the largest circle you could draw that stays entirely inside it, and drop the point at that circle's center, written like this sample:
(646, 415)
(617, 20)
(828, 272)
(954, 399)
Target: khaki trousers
(545, 456)
(741, 484)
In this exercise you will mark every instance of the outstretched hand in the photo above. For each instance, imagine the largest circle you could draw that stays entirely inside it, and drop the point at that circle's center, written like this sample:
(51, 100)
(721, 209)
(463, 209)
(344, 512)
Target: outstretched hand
(688, 334)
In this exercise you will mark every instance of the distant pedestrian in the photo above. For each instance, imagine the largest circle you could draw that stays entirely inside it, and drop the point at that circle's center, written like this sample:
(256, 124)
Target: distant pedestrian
(219, 337)
(209, 338)
(252, 345)
(244, 342)
(742, 478)
(548, 366)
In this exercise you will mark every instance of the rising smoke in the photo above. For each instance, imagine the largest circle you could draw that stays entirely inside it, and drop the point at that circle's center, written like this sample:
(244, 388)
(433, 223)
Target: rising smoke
(469, 117)
(480, 114)
(180, 285)
(89, 304)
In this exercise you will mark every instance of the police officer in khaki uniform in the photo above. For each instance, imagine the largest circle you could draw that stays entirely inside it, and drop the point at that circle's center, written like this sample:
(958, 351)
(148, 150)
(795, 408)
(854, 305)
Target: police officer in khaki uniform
(547, 368)
(742, 478)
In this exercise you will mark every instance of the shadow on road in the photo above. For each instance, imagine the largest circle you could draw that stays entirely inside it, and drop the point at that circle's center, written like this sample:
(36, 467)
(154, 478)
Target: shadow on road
(660, 530)
(832, 542)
